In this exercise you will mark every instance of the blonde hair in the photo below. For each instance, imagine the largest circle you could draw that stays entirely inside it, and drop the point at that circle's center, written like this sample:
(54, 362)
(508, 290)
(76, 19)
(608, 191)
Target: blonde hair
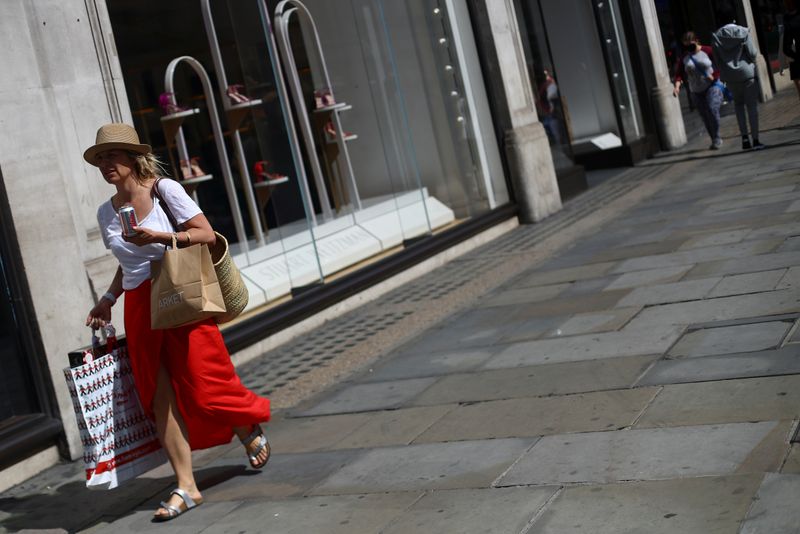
(147, 166)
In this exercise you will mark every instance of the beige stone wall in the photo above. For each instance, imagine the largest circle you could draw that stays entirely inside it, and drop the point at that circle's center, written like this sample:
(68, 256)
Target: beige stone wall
(60, 81)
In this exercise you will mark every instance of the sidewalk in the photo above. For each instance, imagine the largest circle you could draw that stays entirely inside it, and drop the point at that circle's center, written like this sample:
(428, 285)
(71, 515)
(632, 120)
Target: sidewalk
(631, 364)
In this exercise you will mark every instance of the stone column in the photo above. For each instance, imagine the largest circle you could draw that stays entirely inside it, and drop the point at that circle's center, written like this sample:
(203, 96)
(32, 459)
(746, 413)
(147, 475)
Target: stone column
(529, 158)
(761, 64)
(666, 108)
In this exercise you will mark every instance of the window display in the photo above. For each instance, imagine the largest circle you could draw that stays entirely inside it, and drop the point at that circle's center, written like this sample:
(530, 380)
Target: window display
(343, 131)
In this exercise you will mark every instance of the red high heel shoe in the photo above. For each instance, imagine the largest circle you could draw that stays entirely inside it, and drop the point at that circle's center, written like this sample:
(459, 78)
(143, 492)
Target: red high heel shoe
(235, 96)
(261, 174)
(167, 103)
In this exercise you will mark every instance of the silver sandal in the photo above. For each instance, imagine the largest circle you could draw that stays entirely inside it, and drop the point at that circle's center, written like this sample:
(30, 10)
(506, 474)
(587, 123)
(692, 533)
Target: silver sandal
(174, 511)
(262, 444)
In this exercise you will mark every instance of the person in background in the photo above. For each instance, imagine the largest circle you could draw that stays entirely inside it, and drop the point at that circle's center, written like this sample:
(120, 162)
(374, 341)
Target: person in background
(696, 68)
(735, 54)
(791, 39)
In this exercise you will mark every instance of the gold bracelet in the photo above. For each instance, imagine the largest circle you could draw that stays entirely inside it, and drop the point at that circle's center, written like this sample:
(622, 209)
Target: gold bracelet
(188, 238)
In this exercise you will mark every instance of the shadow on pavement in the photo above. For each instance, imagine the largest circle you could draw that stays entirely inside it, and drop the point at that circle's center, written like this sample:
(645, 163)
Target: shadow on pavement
(73, 507)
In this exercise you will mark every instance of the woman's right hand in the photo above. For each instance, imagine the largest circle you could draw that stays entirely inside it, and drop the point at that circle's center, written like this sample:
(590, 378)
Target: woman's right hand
(100, 315)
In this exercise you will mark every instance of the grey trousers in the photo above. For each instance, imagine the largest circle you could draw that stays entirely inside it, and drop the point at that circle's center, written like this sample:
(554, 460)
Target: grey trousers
(745, 95)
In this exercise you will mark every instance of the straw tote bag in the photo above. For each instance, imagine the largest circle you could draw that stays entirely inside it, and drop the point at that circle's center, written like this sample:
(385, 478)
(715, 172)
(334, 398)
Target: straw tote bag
(234, 292)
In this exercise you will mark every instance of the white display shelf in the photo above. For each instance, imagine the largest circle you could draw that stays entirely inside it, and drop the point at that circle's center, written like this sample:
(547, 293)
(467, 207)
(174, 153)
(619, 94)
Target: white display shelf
(275, 268)
(341, 106)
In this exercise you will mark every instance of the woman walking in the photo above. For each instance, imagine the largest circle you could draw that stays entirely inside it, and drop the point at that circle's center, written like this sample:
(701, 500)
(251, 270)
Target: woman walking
(184, 375)
(697, 68)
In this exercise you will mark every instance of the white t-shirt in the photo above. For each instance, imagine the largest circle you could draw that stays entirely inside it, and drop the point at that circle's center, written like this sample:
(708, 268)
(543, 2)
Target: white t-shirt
(135, 260)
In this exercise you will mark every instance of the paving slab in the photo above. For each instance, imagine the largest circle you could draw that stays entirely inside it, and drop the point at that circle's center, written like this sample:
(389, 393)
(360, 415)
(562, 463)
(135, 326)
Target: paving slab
(522, 295)
(731, 339)
(726, 401)
(700, 255)
(747, 191)
(666, 293)
(792, 244)
(711, 505)
(367, 397)
(594, 322)
(604, 300)
(309, 434)
(760, 262)
(626, 342)
(583, 412)
(661, 275)
(790, 280)
(719, 309)
(741, 284)
(559, 276)
(587, 287)
(537, 381)
(792, 463)
(396, 427)
(775, 230)
(463, 464)
(784, 361)
(472, 511)
(647, 454)
(634, 251)
(716, 238)
(528, 329)
(53, 505)
(425, 364)
(286, 475)
(752, 202)
(346, 514)
(141, 520)
(775, 508)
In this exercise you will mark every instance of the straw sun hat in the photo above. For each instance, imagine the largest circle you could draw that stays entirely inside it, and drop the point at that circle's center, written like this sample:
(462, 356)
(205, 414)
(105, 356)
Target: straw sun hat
(115, 135)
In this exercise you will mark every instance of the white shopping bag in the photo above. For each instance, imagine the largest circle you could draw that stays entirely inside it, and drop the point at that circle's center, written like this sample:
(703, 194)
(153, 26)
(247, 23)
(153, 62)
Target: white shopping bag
(119, 440)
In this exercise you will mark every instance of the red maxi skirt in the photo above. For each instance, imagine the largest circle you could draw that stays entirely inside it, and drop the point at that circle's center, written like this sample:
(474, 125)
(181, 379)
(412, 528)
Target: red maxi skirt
(210, 396)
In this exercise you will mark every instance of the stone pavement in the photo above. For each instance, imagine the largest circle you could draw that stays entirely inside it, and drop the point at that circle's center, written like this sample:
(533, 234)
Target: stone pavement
(634, 367)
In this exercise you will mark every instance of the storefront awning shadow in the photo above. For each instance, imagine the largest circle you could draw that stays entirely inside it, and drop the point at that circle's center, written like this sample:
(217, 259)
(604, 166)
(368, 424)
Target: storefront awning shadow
(73, 507)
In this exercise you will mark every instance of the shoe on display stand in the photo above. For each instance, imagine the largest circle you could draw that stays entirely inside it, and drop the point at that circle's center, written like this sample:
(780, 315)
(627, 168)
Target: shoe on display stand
(186, 170)
(196, 170)
(323, 98)
(330, 132)
(263, 176)
(168, 106)
(235, 96)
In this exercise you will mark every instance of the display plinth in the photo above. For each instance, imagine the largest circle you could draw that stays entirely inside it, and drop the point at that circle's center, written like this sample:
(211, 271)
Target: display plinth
(190, 184)
(237, 113)
(172, 122)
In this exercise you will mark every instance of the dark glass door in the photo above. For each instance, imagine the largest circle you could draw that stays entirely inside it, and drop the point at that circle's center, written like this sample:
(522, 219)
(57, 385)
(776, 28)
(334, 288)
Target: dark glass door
(28, 414)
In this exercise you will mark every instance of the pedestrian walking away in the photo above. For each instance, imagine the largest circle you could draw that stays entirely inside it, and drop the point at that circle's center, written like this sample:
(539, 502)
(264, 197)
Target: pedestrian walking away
(184, 376)
(735, 54)
(697, 68)
(791, 40)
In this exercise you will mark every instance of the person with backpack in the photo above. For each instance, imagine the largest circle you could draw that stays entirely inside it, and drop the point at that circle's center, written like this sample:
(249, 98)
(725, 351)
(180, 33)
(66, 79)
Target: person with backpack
(696, 68)
(735, 54)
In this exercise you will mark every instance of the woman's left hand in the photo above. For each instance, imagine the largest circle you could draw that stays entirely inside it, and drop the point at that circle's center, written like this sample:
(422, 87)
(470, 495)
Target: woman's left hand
(147, 236)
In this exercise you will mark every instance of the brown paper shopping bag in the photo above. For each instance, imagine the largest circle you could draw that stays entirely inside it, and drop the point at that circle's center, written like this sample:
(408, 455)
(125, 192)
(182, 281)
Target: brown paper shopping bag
(184, 287)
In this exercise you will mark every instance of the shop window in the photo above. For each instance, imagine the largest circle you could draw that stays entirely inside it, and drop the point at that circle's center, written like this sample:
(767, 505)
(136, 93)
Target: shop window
(348, 128)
